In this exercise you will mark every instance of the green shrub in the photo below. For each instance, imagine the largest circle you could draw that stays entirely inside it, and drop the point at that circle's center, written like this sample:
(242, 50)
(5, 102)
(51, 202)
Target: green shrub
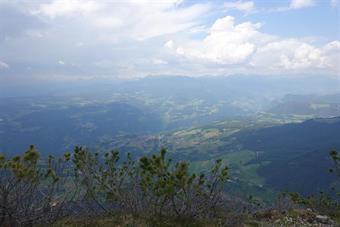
(152, 185)
(28, 190)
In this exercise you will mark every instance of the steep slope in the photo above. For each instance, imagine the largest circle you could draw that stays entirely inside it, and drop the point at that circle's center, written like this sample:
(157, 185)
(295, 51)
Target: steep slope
(261, 153)
(295, 156)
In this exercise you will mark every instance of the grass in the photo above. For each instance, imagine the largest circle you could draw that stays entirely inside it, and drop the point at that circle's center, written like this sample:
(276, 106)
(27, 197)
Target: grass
(249, 173)
(131, 221)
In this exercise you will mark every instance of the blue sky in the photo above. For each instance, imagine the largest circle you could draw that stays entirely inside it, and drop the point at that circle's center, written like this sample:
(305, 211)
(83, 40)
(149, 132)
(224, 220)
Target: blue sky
(86, 39)
(321, 20)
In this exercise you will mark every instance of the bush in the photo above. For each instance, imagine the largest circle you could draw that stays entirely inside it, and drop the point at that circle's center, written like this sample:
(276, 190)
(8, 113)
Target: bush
(29, 190)
(153, 185)
(36, 191)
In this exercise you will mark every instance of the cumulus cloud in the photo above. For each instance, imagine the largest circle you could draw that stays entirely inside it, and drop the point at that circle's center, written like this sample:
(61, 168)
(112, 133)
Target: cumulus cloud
(244, 46)
(3, 65)
(297, 4)
(244, 6)
(332, 46)
(334, 3)
(226, 42)
(297, 56)
(169, 44)
(132, 38)
(289, 54)
(332, 52)
(304, 56)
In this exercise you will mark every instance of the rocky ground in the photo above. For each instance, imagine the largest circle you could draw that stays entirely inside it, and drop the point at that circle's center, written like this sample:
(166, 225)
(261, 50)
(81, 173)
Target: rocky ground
(266, 218)
(294, 218)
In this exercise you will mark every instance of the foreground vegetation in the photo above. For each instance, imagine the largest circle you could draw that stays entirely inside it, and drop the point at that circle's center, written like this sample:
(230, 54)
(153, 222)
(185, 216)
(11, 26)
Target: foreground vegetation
(93, 189)
(33, 192)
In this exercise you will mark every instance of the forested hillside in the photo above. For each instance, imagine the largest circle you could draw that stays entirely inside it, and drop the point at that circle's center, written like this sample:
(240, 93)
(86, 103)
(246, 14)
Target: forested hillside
(295, 156)
(264, 153)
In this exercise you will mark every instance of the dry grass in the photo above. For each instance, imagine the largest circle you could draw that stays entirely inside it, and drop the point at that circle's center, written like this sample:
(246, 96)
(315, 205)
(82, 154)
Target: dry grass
(131, 221)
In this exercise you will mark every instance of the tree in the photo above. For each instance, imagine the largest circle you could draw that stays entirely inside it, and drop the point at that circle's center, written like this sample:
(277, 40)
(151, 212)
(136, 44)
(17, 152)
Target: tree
(336, 158)
(29, 190)
(153, 185)
(33, 191)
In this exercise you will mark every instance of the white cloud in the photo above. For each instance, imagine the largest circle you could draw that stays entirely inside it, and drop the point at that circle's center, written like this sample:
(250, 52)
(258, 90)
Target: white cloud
(159, 62)
(226, 43)
(101, 38)
(334, 3)
(297, 4)
(332, 52)
(114, 20)
(243, 48)
(293, 55)
(289, 54)
(67, 7)
(3, 65)
(169, 44)
(332, 46)
(304, 56)
(245, 6)
(107, 22)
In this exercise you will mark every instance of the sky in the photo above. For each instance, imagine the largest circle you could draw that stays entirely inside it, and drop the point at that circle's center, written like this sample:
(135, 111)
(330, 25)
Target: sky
(70, 40)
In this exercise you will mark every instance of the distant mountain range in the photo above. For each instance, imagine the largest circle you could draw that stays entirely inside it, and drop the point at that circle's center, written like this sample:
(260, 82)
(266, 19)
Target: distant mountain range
(315, 105)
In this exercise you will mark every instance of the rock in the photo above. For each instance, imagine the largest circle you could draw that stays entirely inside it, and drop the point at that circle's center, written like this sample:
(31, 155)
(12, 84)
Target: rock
(323, 219)
(310, 220)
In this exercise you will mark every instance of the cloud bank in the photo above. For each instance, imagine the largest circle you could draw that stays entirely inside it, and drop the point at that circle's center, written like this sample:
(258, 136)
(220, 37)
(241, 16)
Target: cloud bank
(60, 39)
(231, 45)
